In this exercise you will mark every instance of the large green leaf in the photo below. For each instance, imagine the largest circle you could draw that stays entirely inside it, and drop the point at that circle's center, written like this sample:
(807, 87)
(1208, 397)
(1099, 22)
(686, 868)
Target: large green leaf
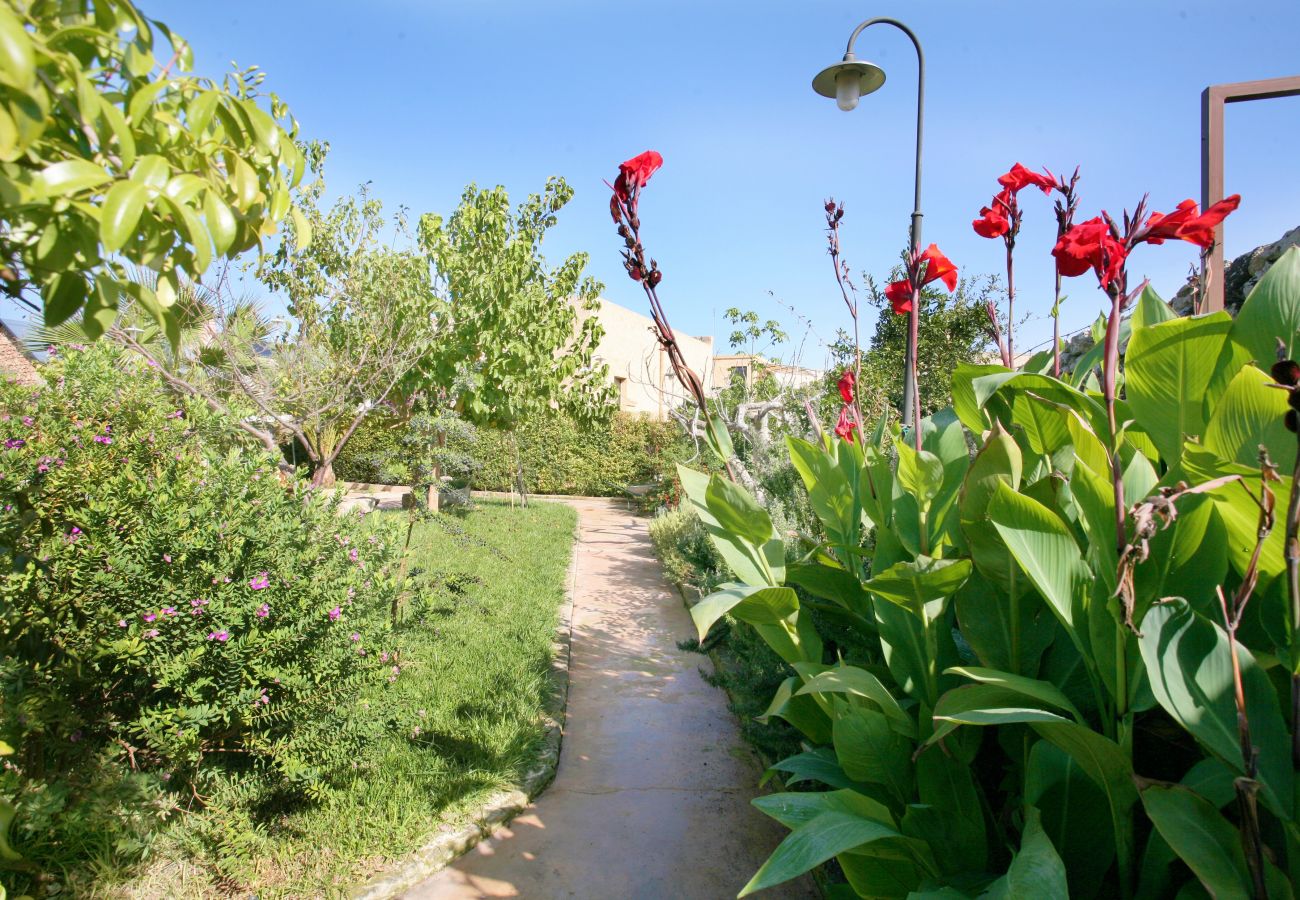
(1249, 414)
(755, 564)
(965, 404)
(1032, 688)
(737, 511)
(814, 842)
(829, 491)
(1189, 662)
(800, 710)
(1169, 368)
(921, 586)
(1036, 871)
(870, 750)
(1044, 548)
(1006, 630)
(856, 682)
(818, 766)
(1201, 836)
(1075, 816)
(1151, 310)
(123, 205)
(1272, 312)
(945, 783)
(798, 808)
(753, 604)
(70, 176)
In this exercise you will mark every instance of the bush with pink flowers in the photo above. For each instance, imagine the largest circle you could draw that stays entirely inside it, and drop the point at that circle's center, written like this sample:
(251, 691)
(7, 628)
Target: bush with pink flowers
(168, 601)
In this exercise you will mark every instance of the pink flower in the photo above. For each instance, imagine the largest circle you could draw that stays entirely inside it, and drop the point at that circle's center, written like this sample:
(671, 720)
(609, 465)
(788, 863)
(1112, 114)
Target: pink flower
(169, 610)
(335, 613)
(222, 636)
(149, 617)
(355, 636)
(151, 633)
(261, 581)
(353, 554)
(167, 557)
(263, 611)
(121, 623)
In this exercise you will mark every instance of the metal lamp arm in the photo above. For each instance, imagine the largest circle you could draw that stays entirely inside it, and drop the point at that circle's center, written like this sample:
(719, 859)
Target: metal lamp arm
(920, 108)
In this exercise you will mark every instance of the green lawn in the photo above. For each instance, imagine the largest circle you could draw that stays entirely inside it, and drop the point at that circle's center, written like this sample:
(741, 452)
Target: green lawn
(464, 715)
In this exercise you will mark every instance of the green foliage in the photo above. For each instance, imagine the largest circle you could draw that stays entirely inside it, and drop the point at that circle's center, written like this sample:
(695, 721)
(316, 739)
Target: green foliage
(951, 331)
(110, 151)
(559, 455)
(997, 592)
(525, 330)
(170, 606)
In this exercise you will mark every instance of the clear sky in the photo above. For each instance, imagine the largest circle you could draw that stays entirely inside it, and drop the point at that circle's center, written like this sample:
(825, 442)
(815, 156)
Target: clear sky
(421, 97)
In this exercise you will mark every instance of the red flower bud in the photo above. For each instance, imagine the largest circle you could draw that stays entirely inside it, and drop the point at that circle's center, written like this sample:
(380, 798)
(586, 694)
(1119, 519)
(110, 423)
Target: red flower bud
(1286, 371)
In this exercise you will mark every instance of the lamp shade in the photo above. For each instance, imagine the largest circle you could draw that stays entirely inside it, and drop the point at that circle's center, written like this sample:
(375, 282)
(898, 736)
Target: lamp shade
(870, 77)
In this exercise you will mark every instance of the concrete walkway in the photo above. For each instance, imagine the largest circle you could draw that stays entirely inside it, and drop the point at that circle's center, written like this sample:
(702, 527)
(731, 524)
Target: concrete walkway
(651, 798)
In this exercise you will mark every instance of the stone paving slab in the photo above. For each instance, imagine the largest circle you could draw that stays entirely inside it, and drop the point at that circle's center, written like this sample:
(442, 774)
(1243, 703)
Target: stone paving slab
(651, 798)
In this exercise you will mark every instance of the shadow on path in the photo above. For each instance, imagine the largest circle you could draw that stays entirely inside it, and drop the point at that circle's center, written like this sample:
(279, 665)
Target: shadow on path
(651, 797)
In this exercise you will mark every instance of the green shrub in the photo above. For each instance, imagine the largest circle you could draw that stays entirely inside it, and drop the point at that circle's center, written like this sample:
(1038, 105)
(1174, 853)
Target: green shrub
(169, 604)
(559, 455)
(684, 549)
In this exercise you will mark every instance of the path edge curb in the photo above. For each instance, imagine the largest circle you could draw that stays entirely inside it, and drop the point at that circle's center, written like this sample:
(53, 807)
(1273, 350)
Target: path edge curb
(449, 842)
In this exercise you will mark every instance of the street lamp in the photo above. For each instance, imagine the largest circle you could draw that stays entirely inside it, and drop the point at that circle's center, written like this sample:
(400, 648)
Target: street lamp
(850, 79)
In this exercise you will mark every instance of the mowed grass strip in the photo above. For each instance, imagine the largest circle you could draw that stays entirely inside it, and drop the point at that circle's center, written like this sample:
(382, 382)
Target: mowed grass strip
(466, 709)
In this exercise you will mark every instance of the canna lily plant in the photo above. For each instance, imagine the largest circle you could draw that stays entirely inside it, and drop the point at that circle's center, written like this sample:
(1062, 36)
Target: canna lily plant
(1080, 604)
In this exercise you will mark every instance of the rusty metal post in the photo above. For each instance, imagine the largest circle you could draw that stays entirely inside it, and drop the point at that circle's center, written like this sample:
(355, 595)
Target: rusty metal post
(1213, 99)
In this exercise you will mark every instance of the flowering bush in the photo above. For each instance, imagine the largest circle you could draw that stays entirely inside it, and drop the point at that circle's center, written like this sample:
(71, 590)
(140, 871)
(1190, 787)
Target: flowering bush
(167, 598)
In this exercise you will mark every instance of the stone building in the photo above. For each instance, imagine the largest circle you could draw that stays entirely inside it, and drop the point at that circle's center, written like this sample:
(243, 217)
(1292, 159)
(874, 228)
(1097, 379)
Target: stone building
(639, 366)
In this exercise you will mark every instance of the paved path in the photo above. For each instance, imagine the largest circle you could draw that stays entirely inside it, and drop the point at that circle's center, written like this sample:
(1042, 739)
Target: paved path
(651, 798)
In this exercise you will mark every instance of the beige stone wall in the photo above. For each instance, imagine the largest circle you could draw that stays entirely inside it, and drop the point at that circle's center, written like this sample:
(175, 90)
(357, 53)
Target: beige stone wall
(787, 376)
(15, 364)
(639, 366)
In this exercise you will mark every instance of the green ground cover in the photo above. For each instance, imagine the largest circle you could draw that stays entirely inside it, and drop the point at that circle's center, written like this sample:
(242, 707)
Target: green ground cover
(463, 718)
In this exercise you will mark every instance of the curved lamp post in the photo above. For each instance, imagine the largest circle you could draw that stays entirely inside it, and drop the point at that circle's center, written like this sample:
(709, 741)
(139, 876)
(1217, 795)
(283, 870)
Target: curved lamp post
(850, 79)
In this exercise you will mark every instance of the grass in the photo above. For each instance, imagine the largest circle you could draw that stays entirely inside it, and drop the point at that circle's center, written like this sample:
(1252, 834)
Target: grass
(464, 717)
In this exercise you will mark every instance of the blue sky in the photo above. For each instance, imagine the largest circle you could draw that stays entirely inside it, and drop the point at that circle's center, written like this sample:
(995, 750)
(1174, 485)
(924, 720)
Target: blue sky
(421, 98)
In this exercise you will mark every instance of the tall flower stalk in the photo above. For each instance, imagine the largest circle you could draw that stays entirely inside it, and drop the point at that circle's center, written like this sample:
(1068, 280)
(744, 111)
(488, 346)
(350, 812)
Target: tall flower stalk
(1067, 203)
(1103, 245)
(834, 213)
(905, 297)
(1001, 218)
(633, 175)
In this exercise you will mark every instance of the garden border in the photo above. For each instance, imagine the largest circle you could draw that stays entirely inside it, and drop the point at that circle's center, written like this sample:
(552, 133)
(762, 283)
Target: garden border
(449, 842)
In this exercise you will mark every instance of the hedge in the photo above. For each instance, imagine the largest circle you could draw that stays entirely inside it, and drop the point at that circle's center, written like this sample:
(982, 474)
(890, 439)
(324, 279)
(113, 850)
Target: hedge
(559, 455)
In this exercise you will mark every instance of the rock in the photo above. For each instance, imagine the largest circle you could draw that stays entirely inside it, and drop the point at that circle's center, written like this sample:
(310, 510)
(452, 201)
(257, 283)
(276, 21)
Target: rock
(1241, 275)
(1240, 278)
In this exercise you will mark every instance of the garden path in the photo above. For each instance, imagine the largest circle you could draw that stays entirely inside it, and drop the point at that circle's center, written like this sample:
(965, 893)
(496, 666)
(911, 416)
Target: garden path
(651, 797)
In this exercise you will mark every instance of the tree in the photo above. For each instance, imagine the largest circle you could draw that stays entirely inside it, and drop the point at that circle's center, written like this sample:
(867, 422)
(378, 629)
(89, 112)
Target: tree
(366, 316)
(110, 154)
(511, 321)
(952, 330)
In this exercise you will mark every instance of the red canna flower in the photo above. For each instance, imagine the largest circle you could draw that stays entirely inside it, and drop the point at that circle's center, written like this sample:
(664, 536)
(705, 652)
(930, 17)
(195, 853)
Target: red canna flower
(1090, 245)
(844, 427)
(635, 173)
(938, 267)
(846, 384)
(993, 221)
(1185, 225)
(1019, 178)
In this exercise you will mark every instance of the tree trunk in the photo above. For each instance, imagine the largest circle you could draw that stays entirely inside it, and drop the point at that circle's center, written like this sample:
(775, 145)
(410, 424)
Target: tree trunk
(434, 497)
(323, 477)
